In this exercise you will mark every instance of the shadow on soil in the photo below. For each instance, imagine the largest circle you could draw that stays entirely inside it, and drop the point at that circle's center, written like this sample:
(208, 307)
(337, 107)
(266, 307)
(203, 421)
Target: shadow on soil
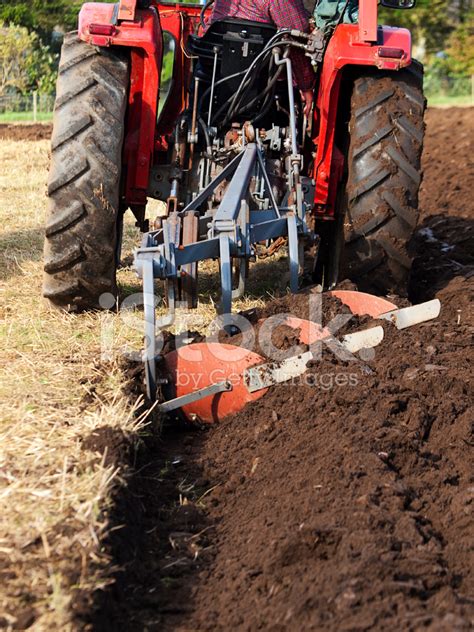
(443, 247)
(160, 538)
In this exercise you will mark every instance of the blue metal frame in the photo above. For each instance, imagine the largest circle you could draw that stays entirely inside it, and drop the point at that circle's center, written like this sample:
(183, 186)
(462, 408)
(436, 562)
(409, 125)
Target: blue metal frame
(228, 234)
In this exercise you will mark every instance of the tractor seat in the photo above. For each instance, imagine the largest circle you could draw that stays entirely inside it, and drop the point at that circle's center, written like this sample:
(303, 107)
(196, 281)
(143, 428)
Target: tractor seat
(256, 34)
(237, 43)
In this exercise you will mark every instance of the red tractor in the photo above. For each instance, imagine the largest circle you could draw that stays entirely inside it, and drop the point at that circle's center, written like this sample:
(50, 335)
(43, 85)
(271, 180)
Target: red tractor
(228, 151)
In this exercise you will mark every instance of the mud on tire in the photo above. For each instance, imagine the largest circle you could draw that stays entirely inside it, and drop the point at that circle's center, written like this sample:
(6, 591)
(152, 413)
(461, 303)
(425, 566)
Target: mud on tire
(84, 179)
(386, 139)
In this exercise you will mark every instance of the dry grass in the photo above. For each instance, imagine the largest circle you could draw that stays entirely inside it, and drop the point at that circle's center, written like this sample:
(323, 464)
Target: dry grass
(56, 390)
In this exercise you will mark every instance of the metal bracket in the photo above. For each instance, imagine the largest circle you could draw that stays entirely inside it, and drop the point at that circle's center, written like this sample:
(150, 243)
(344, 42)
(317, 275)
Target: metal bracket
(127, 10)
(225, 306)
(293, 252)
(179, 402)
(149, 353)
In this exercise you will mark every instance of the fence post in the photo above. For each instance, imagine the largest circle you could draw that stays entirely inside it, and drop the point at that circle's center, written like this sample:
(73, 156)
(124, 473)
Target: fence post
(35, 106)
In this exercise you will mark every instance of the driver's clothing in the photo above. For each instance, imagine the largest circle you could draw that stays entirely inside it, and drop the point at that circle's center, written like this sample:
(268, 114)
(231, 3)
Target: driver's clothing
(288, 14)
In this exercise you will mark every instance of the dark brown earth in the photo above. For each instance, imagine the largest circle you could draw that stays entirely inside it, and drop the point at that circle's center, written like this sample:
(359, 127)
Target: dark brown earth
(31, 131)
(343, 503)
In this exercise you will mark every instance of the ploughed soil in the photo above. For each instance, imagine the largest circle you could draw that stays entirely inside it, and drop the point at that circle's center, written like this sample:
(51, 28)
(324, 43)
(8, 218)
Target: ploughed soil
(342, 501)
(25, 131)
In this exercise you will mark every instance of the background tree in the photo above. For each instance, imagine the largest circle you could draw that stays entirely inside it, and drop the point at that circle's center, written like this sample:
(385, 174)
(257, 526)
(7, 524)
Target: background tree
(25, 63)
(430, 23)
(41, 16)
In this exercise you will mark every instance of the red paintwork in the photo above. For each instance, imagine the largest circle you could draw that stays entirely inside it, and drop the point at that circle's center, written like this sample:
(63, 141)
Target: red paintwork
(141, 30)
(127, 10)
(143, 35)
(362, 304)
(344, 49)
(180, 20)
(309, 332)
(201, 364)
(368, 20)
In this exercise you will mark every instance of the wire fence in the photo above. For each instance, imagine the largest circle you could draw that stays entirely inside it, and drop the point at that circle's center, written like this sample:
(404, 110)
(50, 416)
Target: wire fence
(30, 107)
(35, 107)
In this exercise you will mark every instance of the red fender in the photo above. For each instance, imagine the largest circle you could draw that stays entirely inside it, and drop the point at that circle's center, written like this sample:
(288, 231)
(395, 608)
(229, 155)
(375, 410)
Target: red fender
(143, 36)
(346, 48)
(102, 24)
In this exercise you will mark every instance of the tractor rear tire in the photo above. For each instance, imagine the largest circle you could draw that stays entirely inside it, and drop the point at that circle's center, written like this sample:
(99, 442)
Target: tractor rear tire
(80, 254)
(381, 203)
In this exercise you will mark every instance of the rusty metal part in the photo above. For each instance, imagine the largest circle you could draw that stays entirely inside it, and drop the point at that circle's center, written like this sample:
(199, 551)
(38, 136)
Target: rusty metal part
(272, 248)
(231, 138)
(193, 131)
(189, 272)
(248, 131)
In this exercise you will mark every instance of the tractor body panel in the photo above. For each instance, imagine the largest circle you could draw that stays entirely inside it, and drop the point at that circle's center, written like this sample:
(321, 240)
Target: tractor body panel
(141, 30)
(102, 24)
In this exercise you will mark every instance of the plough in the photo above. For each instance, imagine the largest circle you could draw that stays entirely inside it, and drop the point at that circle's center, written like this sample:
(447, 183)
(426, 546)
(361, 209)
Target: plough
(229, 234)
(220, 379)
(241, 170)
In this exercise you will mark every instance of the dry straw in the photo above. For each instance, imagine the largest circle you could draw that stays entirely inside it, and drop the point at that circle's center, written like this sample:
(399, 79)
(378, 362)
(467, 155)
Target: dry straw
(55, 391)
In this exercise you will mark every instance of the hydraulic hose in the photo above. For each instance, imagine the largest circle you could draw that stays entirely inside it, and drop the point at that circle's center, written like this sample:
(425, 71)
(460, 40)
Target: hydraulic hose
(271, 42)
(271, 83)
(208, 4)
(237, 98)
(206, 93)
(205, 131)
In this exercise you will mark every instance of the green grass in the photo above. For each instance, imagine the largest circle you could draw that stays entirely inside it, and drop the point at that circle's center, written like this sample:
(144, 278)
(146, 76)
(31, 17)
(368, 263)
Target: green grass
(444, 100)
(25, 117)
(46, 117)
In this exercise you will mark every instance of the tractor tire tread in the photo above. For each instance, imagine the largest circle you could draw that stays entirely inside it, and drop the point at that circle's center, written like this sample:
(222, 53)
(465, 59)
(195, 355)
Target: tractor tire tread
(84, 182)
(384, 175)
(65, 219)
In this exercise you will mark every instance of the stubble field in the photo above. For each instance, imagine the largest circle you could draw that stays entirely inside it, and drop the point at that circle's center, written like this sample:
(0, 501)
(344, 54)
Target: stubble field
(313, 509)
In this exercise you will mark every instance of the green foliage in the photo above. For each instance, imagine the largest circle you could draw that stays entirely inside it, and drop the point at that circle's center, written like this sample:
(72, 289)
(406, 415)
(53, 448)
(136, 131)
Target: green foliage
(460, 47)
(449, 72)
(430, 22)
(443, 37)
(41, 15)
(26, 64)
(168, 58)
(18, 14)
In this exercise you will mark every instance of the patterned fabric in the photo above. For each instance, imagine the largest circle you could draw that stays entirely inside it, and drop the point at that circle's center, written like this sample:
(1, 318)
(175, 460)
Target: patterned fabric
(283, 14)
